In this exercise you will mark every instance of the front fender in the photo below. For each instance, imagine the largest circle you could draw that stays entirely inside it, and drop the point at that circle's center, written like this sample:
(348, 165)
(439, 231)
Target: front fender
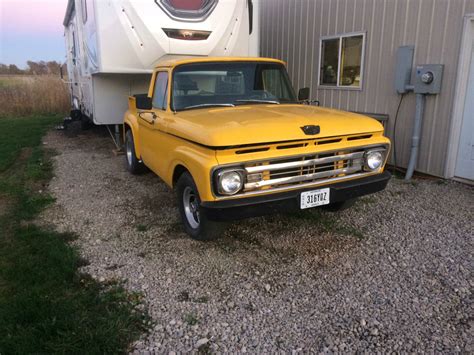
(199, 162)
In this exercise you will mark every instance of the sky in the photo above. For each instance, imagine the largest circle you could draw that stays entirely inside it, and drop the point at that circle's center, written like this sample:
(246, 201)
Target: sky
(31, 30)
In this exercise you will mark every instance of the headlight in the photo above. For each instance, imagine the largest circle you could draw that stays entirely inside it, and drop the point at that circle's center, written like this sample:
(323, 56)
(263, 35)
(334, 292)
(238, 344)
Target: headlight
(373, 160)
(229, 182)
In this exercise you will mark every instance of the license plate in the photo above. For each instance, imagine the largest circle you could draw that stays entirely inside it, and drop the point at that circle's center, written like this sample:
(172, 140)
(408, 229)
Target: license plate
(314, 198)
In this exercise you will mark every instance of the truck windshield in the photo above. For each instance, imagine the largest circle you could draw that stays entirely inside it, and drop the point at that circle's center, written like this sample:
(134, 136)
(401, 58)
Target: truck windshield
(202, 85)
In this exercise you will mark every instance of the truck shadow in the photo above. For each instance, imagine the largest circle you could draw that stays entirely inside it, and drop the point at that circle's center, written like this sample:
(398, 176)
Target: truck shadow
(315, 236)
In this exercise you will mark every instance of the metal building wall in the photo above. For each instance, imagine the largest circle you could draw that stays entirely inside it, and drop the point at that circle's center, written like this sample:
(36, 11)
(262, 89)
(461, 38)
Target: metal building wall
(291, 30)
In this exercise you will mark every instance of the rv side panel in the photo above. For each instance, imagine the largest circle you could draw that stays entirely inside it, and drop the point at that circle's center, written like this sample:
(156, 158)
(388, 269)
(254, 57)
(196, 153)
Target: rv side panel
(111, 92)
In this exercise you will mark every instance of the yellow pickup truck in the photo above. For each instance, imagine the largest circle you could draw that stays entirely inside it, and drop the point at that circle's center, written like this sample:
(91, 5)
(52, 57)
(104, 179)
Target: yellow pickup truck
(234, 141)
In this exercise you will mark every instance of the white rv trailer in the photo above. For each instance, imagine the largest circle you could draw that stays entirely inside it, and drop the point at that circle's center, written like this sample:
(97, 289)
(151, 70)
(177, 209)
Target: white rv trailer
(113, 45)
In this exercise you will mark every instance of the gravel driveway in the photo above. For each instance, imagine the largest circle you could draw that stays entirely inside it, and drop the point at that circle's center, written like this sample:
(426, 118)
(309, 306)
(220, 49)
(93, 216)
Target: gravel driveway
(395, 272)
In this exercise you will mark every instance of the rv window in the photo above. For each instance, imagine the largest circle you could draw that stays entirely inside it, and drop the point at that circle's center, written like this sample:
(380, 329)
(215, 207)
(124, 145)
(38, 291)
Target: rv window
(84, 11)
(73, 49)
(161, 90)
(196, 10)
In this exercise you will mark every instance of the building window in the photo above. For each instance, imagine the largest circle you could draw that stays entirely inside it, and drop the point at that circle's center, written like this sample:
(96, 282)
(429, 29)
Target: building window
(341, 61)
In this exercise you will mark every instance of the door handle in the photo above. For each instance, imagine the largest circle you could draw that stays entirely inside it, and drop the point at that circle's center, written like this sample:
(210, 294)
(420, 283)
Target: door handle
(146, 119)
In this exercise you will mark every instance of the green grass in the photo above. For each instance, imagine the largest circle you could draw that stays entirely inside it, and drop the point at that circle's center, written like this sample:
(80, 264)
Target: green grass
(191, 319)
(19, 133)
(202, 299)
(46, 305)
(142, 228)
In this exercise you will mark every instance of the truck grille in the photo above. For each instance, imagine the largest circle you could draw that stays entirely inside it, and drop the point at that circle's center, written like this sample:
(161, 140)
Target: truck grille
(281, 173)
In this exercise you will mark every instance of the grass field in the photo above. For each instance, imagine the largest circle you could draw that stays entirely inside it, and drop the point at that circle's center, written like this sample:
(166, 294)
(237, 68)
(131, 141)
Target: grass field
(35, 94)
(46, 304)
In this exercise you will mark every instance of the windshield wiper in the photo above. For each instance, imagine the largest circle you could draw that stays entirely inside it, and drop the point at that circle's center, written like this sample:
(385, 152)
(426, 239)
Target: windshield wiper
(258, 101)
(206, 105)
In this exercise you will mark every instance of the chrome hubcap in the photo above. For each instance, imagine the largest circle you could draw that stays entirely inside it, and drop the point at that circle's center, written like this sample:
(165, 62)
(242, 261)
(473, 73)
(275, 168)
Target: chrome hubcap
(128, 150)
(191, 208)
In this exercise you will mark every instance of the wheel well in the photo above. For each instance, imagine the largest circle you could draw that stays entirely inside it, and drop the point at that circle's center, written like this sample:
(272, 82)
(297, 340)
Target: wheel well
(178, 171)
(126, 128)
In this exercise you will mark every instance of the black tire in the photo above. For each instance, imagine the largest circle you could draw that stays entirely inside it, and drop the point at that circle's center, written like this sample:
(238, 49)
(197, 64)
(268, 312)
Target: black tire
(86, 123)
(195, 222)
(133, 164)
(340, 206)
(75, 115)
(72, 129)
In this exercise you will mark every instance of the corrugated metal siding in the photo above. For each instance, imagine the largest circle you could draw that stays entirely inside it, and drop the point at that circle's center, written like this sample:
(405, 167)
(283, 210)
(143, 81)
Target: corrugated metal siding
(291, 30)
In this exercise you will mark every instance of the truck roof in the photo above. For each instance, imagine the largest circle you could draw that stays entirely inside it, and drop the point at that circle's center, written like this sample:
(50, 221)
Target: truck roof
(178, 60)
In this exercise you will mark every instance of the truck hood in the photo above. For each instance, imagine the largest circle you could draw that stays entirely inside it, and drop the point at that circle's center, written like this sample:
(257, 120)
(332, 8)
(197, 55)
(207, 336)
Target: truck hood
(254, 124)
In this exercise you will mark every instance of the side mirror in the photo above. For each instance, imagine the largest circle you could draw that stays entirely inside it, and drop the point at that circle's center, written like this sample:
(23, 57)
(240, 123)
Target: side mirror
(143, 102)
(303, 94)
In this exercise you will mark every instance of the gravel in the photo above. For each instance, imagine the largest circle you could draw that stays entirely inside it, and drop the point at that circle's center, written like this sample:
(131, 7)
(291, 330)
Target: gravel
(395, 272)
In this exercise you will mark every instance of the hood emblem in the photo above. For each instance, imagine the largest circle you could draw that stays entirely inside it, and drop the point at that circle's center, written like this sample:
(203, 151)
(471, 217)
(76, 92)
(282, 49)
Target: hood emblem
(310, 130)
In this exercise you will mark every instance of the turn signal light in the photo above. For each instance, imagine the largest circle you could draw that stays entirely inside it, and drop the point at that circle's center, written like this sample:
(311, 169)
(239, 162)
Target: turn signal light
(187, 35)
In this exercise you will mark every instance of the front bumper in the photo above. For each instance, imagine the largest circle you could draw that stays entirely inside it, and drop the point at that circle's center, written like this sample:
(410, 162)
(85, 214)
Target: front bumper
(227, 210)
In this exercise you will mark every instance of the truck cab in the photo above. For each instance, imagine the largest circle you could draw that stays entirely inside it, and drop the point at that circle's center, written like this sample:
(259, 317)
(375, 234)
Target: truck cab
(233, 139)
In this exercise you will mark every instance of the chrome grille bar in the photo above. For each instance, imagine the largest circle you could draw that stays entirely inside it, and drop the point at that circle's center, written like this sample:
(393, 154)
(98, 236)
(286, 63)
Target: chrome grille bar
(302, 170)
(301, 178)
(307, 170)
(303, 163)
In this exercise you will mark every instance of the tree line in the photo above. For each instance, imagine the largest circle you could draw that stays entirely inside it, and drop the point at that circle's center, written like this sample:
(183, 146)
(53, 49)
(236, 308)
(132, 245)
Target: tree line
(34, 68)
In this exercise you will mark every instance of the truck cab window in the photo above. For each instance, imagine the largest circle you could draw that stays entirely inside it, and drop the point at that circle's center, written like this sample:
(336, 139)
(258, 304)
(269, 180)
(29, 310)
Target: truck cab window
(275, 83)
(233, 83)
(161, 90)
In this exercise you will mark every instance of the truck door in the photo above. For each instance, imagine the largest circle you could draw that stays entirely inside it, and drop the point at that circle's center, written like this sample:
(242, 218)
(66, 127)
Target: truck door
(153, 126)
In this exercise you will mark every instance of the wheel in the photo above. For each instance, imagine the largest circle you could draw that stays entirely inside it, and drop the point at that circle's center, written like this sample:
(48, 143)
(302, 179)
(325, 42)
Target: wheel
(72, 128)
(133, 165)
(195, 222)
(75, 115)
(340, 206)
(86, 123)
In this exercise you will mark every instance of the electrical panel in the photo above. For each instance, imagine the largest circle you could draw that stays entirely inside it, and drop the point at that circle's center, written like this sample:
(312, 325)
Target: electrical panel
(403, 68)
(428, 78)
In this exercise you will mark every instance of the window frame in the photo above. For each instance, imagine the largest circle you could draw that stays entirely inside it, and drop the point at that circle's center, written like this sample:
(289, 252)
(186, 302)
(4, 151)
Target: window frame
(166, 96)
(339, 58)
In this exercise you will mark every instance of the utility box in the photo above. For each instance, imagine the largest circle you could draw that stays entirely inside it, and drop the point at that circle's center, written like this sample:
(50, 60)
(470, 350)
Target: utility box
(403, 68)
(428, 78)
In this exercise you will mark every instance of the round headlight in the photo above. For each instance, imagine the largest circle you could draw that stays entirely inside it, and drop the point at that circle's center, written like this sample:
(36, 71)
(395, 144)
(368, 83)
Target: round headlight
(373, 160)
(230, 182)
